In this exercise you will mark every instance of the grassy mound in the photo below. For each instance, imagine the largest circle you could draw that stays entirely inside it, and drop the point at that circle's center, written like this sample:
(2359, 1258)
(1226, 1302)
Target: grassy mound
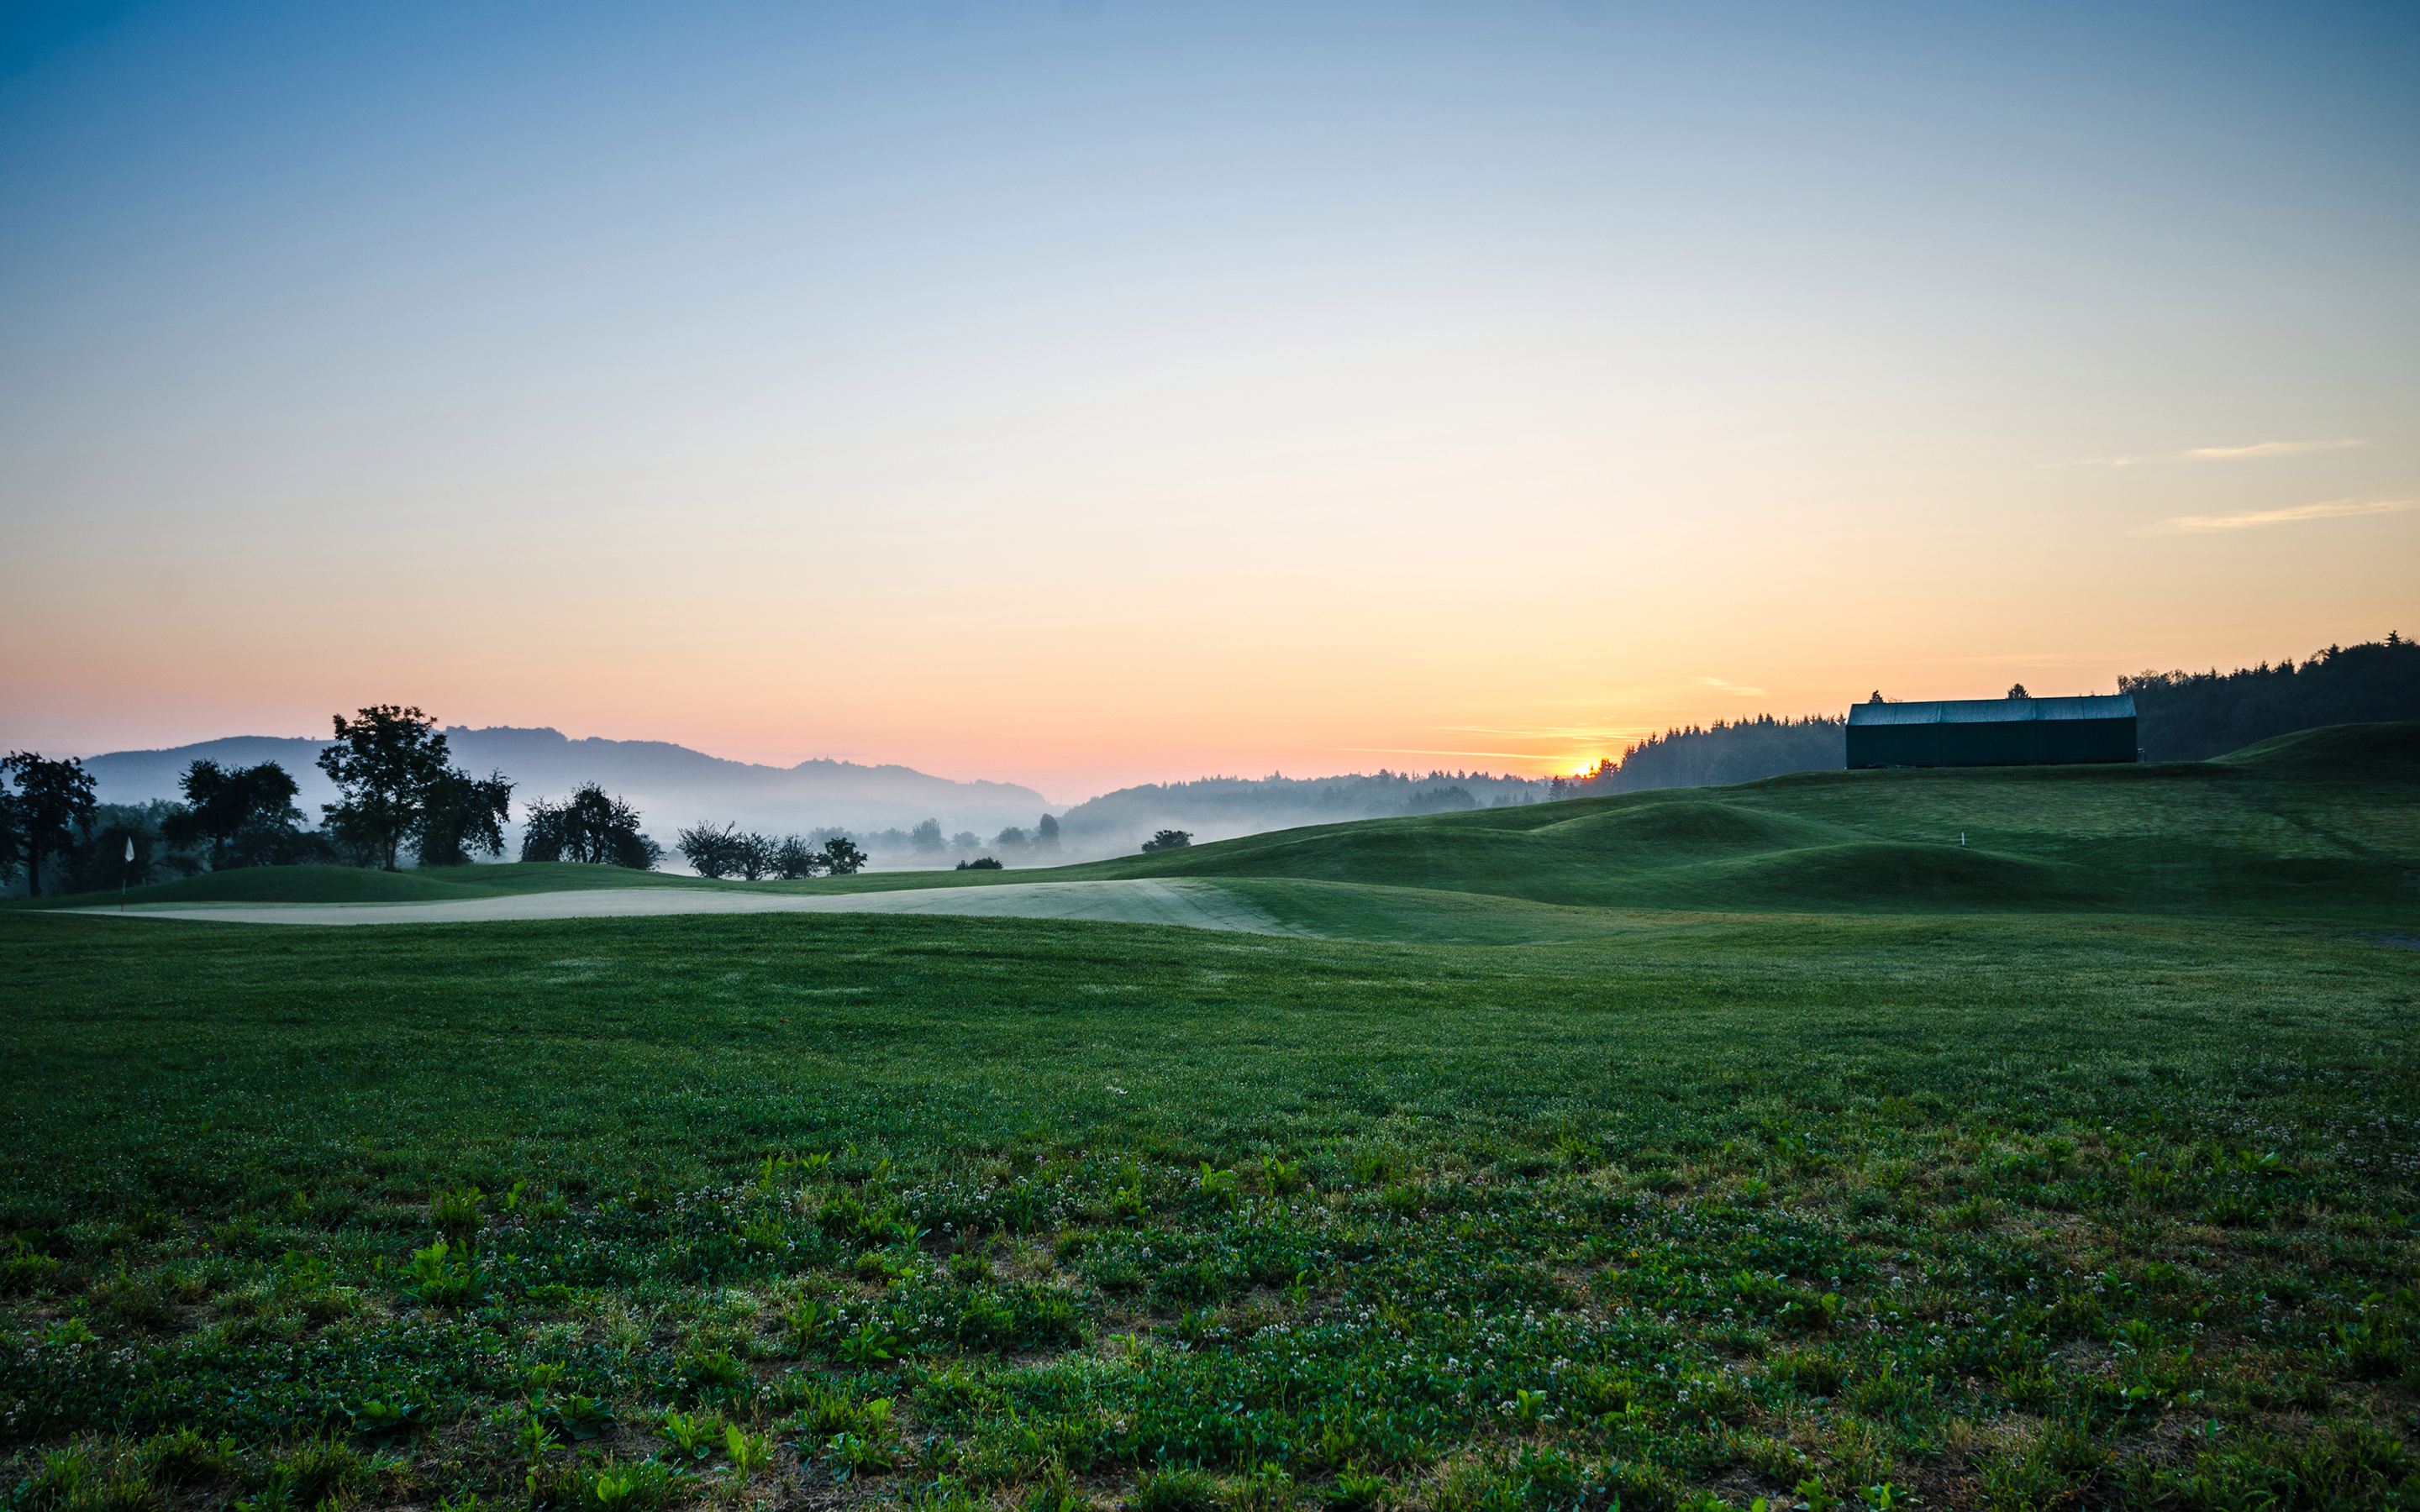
(2325, 823)
(2030, 1172)
(2322, 824)
(2372, 752)
(1681, 828)
(1886, 874)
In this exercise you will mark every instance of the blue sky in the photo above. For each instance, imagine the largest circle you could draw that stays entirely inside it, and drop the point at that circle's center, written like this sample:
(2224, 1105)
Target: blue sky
(1078, 393)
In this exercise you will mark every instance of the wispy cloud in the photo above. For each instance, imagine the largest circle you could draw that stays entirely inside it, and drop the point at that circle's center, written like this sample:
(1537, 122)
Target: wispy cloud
(2249, 519)
(1728, 686)
(1580, 732)
(2255, 452)
(2260, 449)
(1424, 751)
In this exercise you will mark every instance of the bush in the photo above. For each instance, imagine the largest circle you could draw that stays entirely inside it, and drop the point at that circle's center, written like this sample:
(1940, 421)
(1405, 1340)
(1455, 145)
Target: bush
(590, 827)
(1176, 1490)
(796, 858)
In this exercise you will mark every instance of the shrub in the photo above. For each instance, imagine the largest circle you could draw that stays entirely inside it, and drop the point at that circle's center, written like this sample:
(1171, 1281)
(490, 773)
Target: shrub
(189, 1458)
(623, 1485)
(1221, 1186)
(577, 1417)
(442, 1278)
(1359, 1490)
(692, 1435)
(379, 1417)
(139, 1302)
(458, 1214)
(1176, 1490)
(712, 1371)
(27, 1269)
(749, 1452)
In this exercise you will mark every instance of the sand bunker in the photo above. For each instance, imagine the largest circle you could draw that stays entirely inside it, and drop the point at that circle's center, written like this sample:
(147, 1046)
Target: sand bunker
(1141, 900)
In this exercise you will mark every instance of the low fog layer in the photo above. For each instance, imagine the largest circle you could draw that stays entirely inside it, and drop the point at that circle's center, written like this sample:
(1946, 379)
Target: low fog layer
(903, 818)
(670, 785)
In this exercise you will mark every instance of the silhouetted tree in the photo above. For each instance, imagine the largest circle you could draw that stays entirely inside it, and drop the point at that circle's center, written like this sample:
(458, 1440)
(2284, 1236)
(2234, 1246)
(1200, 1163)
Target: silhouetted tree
(52, 798)
(98, 861)
(591, 828)
(753, 855)
(926, 837)
(842, 857)
(2193, 715)
(460, 814)
(386, 762)
(12, 836)
(1728, 750)
(710, 852)
(2017, 691)
(1168, 840)
(246, 815)
(1046, 833)
(981, 863)
(1011, 839)
(795, 859)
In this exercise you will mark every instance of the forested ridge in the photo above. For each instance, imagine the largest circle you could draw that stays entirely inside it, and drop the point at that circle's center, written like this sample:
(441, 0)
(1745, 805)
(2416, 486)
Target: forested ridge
(2190, 716)
(2184, 716)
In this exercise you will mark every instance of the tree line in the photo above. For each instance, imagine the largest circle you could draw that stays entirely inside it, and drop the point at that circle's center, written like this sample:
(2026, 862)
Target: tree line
(2189, 717)
(725, 850)
(398, 789)
(728, 851)
(2180, 716)
(1714, 755)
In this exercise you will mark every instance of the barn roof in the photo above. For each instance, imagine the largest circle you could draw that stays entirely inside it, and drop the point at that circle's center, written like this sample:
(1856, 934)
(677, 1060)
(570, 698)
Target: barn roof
(1995, 711)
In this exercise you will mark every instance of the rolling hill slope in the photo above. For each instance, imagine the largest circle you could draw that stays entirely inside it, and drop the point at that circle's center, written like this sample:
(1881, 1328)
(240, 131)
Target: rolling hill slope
(2325, 823)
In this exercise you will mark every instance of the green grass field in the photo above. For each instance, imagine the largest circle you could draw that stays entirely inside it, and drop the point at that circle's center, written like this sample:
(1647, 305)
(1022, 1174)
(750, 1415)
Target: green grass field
(1671, 1151)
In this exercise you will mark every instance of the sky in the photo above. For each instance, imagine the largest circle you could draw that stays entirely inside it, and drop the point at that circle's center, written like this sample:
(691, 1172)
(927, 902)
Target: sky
(1086, 393)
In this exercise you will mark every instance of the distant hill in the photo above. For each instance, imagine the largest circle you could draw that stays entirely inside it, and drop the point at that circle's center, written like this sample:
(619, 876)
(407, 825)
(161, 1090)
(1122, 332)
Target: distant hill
(671, 785)
(1219, 807)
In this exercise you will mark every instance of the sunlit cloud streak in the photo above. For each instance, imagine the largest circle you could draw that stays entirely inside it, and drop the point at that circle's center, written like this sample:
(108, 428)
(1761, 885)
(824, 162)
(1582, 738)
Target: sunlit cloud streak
(2255, 518)
(1423, 750)
(1724, 685)
(2255, 452)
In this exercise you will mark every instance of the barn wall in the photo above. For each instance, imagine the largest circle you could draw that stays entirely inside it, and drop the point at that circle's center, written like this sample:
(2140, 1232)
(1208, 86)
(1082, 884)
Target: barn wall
(2002, 743)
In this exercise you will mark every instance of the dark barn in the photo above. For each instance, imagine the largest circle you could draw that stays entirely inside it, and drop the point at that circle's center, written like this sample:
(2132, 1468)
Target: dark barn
(2012, 732)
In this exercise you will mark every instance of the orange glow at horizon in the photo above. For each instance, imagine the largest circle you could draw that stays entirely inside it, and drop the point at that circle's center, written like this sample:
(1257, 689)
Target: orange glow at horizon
(1504, 385)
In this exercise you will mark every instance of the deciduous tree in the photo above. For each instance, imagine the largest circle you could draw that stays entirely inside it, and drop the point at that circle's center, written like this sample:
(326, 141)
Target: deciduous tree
(245, 813)
(795, 859)
(386, 762)
(460, 815)
(590, 827)
(52, 798)
(710, 852)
